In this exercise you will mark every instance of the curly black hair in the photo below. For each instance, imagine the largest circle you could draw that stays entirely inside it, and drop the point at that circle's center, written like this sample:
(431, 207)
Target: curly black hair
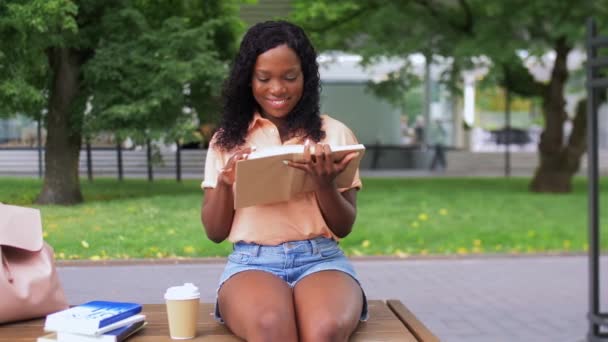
(239, 105)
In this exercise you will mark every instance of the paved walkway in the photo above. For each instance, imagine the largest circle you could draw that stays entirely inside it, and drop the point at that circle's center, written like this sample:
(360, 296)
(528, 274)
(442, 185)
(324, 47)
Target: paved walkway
(494, 299)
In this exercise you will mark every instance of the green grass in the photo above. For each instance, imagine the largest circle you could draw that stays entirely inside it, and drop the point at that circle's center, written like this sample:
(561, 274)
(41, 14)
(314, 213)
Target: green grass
(137, 219)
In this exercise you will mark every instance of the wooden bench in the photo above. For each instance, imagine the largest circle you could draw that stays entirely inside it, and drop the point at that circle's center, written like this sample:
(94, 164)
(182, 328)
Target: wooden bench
(389, 321)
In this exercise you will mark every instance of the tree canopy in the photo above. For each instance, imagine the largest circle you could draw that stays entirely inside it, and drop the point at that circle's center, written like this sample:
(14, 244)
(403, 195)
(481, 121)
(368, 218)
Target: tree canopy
(130, 65)
(463, 30)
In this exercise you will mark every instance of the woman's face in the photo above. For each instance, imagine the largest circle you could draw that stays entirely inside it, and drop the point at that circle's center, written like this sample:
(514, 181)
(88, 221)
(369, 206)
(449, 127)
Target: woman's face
(277, 82)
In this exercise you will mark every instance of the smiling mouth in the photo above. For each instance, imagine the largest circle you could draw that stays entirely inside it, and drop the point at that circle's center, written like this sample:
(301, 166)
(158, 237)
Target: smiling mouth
(277, 103)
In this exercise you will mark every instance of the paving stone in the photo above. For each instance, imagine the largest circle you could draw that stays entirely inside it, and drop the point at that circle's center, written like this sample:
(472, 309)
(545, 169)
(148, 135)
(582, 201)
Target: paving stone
(473, 299)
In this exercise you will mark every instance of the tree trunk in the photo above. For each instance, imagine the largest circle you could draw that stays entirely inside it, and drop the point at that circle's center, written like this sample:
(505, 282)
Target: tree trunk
(559, 162)
(64, 126)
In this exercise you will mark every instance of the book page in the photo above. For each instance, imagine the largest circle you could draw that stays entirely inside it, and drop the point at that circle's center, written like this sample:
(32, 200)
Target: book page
(299, 149)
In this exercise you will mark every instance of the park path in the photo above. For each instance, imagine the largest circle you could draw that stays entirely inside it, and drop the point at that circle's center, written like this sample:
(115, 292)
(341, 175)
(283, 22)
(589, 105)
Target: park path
(473, 299)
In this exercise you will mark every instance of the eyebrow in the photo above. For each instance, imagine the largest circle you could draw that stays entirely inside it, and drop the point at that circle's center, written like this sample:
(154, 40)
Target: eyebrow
(262, 71)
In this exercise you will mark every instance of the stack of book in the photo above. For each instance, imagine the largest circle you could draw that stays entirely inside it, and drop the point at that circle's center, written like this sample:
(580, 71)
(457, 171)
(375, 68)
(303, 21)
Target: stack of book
(94, 321)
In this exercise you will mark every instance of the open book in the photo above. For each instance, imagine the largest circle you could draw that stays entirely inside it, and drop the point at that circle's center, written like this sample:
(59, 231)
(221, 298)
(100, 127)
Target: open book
(263, 178)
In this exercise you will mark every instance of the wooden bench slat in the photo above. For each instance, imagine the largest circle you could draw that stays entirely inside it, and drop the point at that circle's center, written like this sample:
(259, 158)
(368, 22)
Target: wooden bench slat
(390, 322)
(383, 325)
(383, 337)
(411, 322)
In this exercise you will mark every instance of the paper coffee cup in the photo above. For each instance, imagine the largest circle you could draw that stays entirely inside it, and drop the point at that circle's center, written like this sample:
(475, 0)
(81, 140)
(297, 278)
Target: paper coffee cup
(182, 310)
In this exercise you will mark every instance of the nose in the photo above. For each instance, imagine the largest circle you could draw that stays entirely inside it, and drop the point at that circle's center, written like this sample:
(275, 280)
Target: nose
(277, 88)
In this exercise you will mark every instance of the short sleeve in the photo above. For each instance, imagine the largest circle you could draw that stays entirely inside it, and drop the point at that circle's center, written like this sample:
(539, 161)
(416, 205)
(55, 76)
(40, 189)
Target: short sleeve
(338, 133)
(214, 162)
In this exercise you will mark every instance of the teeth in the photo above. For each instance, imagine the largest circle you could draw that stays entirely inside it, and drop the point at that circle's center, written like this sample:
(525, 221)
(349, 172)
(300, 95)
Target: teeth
(278, 102)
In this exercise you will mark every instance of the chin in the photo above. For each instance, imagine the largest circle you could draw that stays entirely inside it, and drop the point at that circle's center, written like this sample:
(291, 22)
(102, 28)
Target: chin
(277, 113)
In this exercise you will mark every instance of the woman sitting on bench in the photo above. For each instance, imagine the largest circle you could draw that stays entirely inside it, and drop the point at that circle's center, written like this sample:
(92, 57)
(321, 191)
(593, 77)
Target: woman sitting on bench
(287, 279)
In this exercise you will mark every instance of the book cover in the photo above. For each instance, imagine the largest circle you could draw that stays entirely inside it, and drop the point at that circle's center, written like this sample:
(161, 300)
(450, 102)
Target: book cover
(92, 317)
(263, 178)
(116, 335)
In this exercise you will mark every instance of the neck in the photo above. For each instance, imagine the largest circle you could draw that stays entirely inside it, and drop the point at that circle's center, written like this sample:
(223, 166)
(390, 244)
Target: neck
(281, 123)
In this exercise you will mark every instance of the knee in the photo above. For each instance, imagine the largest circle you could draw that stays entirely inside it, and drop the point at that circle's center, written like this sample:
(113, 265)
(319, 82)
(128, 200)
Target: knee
(272, 325)
(268, 320)
(327, 329)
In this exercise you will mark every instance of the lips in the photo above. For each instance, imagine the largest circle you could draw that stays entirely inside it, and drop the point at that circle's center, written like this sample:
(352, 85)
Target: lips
(277, 103)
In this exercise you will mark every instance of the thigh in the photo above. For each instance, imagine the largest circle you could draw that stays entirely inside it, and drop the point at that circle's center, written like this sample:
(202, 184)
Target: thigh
(255, 303)
(328, 306)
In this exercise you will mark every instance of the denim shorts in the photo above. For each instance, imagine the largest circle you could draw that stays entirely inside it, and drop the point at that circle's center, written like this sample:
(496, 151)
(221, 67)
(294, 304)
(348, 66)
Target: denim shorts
(290, 261)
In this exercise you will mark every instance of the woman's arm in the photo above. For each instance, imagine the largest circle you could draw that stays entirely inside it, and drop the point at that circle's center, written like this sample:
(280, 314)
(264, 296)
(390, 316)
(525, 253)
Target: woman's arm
(217, 210)
(339, 209)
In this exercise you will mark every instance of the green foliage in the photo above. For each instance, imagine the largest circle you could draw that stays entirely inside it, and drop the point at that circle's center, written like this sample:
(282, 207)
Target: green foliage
(493, 99)
(142, 81)
(413, 103)
(27, 28)
(459, 30)
(395, 217)
(376, 29)
(396, 85)
(126, 66)
(379, 28)
(138, 58)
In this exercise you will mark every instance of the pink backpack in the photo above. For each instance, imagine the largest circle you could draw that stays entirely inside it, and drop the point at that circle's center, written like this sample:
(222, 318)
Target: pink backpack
(29, 285)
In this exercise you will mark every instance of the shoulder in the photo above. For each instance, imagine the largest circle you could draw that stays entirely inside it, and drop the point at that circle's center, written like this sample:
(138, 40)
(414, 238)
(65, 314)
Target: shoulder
(213, 140)
(331, 125)
(214, 145)
(336, 131)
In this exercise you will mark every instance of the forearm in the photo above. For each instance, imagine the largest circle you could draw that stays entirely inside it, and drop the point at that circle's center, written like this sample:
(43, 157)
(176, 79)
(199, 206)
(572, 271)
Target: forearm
(217, 212)
(338, 211)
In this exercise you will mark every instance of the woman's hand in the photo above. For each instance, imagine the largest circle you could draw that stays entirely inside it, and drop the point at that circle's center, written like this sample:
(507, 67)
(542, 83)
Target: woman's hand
(320, 165)
(228, 173)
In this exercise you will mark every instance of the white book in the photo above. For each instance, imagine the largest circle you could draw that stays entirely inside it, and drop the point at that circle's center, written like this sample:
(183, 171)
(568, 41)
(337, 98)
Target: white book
(116, 335)
(94, 318)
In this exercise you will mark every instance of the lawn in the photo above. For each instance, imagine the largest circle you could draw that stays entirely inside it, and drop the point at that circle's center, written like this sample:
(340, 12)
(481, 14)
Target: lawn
(411, 216)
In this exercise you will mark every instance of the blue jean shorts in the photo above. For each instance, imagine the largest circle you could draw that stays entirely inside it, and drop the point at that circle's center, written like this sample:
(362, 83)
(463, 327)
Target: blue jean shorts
(290, 261)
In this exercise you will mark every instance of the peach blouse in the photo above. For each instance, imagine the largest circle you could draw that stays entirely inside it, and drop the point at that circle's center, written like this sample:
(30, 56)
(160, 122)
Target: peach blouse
(297, 219)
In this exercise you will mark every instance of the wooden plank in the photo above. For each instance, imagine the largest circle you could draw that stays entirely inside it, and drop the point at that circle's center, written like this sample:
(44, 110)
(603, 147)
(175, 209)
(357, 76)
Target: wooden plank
(383, 325)
(382, 337)
(414, 325)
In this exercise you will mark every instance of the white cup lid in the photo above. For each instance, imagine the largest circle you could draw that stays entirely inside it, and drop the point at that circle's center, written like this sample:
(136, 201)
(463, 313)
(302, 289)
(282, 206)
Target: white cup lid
(183, 292)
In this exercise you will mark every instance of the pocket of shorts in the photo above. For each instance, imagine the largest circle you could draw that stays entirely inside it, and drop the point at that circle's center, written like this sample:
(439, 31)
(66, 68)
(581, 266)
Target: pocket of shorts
(330, 252)
(239, 258)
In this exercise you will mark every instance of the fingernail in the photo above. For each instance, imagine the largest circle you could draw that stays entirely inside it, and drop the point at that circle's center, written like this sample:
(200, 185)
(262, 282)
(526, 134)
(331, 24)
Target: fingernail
(285, 162)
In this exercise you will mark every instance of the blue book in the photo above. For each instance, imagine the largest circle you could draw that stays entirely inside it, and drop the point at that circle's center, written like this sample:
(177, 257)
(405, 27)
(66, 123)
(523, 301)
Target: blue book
(94, 318)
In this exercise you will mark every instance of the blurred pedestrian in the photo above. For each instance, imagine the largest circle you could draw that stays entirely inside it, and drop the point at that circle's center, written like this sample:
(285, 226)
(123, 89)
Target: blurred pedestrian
(419, 131)
(439, 134)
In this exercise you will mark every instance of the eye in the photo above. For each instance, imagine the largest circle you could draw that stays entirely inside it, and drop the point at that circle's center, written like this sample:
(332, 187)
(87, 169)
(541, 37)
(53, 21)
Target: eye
(262, 79)
(291, 77)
